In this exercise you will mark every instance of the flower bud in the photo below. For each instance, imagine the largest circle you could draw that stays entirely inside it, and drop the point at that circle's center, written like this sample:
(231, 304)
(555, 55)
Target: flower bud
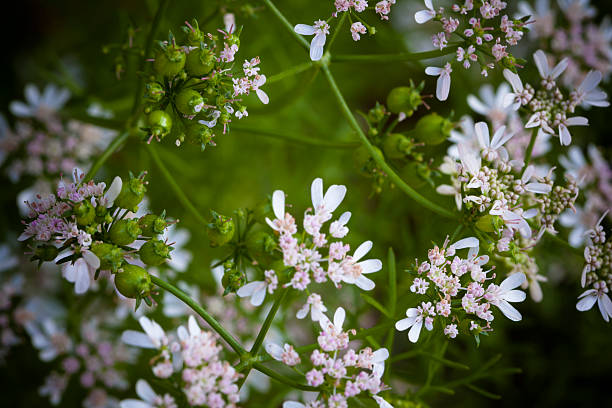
(154, 92)
(133, 282)
(110, 256)
(261, 245)
(397, 146)
(160, 123)
(124, 232)
(377, 113)
(200, 62)
(189, 101)
(169, 61)
(85, 213)
(232, 279)
(199, 134)
(131, 193)
(154, 252)
(404, 99)
(152, 225)
(194, 35)
(220, 230)
(433, 129)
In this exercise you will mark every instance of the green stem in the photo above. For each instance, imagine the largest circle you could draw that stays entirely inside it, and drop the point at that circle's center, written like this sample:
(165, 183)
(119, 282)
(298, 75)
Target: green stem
(182, 197)
(296, 139)
(377, 156)
(213, 323)
(282, 379)
(392, 305)
(408, 56)
(286, 23)
(289, 72)
(114, 145)
(336, 31)
(534, 136)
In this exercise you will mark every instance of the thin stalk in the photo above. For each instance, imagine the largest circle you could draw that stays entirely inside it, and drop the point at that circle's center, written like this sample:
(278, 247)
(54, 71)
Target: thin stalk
(296, 139)
(283, 379)
(392, 305)
(396, 179)
(534, 136)
(336, 31)
(408, 56)
(297, 69)
(182, 197)
(213, 323)
(286, 23)
(114, 145)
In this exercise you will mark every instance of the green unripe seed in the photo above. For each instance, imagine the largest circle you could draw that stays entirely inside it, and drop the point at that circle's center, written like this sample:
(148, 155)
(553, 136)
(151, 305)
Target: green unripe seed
(133, 282)
(160, 123)
(154, 92)
(85, 213)
(200, 62)
(169, 62)
(152, 225)
(154, 252)
(220, 230)
(433, 129)
(404, 99)
(199, 134)
(124, 232)
(189, 102)
(131, 194)
(261, 245)
(110, 256)
(397, 146)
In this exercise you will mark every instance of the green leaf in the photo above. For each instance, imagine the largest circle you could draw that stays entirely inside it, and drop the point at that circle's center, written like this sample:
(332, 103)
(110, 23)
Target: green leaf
(483, 392)
(373, 302)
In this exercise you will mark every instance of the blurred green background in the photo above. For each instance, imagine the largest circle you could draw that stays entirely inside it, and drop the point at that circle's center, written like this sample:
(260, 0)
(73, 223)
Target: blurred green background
(565, 355)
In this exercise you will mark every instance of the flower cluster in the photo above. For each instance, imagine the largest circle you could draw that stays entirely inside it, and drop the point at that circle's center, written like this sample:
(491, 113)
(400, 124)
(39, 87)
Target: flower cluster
(83, 227)
(548, 106)
(447, 282)
(353, 9)
(340, 371)
(597, 272)
(42, 145)
(196, 92)
(486, 34)
(572, 34)
(312, 254)
(205, 379)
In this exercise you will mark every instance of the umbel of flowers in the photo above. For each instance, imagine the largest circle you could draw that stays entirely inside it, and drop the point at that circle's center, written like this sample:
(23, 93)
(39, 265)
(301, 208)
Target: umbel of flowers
(195, 91)
(86, 228)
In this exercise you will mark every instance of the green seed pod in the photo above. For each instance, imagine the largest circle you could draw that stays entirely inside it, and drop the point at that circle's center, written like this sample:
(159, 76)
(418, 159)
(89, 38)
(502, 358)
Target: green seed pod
(169, 61)
(152, 225)
(131, 193)
(133, 282)
(200, 62)
(488, 223)
(404, 99)
(154, 92)
(124, 232)
(261, 245)
(194, 35)
(110, 256)
(189, 102)
(397, 146)
(199, 134)
(220, 229)
(364, 162)
(232, 279)
(377, 113)
(154, 252)
(433, 129)
(160, 123)
(85, 213)
(45, 253)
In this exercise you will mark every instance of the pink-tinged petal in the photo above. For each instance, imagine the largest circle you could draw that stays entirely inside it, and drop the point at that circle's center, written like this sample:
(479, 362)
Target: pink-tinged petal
(194, 328)
(339, 317)
(404, 324)
(32, 95)
(271, 224)
(293, 404)
(443, 87)
(316, 46)
(20, 109)
(500, 138)
(513, 281)
(333, 197)
(248, 289)
(263, 97)
(133, 403)
(370, 266)
(434, 71)
(316, 192)
(515, 296)
(469, 242)
(538, 188)
(429, 4)
(82, 279)
(535, 291)
(275, 351)
(515, 81)
(591, 81)
(509, 311)
(477, 106)
(482, 134)
(532, 212)
(345, 217)
(380, 355)
(445, 189)
(423, 16)
(607, 303)
(113, 191)
(91, 259)
(144, 391)
(137, 339)
(304, 29)
(364, 283)
(362, 250)
(602, 308)
(509, 100)
(564, 135)
(259, 295)
(533, 121)
(415, 331)
(577, 121)
(303, 312)
(541, 63)
(587, 302)
(559, 68)
(182, 333)
(528, 173)
(278, 204)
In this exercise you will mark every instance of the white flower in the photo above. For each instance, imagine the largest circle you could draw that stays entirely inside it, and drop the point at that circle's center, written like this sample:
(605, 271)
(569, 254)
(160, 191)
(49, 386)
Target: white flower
(444, 80)
(520, 96)
(286, 354)
(357, 29)
(257, 82)
(193, 330)
(315, 306)
(324, 205)
(515, 220)
(354, 271)
(378, 361)
(81, 271)
(587, 93)
(564, 135)
(424, 16)
(588, 298)
(40, 105)
(338, 228)
(491, 104)
(547, 74)
(415, 317)
(540, 119)
(336, 326)
(153, 337)
(500, 295)
(108, 199)
(49, 338)
(320, 29)
(255, 290)
(284, 222)
(492, 149)
(380, 401)
(148, 398)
